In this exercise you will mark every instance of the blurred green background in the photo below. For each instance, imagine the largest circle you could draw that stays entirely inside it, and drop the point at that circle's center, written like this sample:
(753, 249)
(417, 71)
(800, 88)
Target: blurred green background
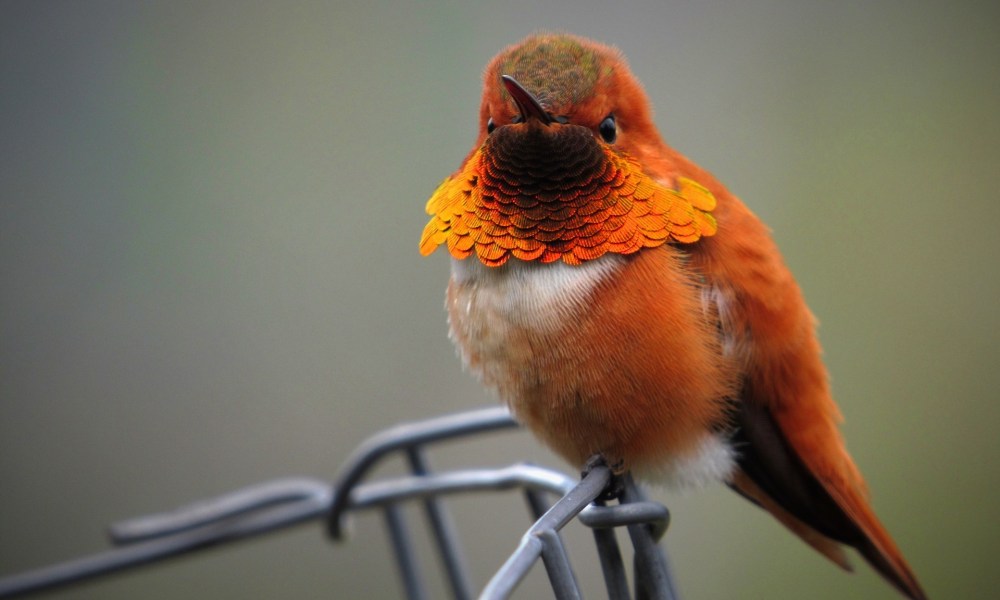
(209, 275)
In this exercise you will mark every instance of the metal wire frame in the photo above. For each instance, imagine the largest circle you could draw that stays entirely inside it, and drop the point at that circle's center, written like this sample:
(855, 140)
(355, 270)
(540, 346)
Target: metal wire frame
(281, 503)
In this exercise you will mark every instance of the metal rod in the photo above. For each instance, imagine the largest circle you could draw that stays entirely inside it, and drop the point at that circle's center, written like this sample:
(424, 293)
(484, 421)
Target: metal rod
(536, 502)
(520, 562)
(557, 566)
(652, 579)
(402, 436)
(406, 558)
(273, 505)
(445, 533)
(612, 565)
(227, 506)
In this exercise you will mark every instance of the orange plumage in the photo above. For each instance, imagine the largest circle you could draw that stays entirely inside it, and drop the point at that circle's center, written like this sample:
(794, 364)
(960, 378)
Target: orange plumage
(622, 302)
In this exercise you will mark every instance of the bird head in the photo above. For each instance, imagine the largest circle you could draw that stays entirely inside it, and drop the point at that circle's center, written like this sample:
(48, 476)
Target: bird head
(557, 170)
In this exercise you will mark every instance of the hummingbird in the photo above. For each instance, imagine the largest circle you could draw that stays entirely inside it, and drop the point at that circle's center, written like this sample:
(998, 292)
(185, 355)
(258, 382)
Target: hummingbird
(625, 305)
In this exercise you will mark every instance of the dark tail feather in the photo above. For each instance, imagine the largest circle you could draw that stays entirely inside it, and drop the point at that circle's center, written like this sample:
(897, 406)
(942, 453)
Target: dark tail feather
(773, 476)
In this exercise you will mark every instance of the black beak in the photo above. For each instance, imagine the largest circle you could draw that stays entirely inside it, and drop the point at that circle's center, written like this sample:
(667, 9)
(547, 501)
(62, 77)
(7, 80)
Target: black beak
(527, 104)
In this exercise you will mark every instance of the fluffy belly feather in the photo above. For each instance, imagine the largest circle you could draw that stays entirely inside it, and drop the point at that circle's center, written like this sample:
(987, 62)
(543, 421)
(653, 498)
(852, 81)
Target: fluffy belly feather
(614, 356)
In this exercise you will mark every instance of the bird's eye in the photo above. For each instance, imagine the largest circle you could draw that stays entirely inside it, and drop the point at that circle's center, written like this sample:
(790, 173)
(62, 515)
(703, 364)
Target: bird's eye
(608, 129)
(490, 126)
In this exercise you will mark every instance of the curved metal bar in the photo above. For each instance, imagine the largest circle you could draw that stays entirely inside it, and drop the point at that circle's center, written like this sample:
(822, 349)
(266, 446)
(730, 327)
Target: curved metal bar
(409, 487)
(605, 517)
(404, 436)
(260, 509)
(248, 524)
(281, 503)
(198, 514)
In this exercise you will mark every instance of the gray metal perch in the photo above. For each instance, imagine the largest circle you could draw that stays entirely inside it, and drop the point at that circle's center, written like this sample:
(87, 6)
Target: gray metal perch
(281, 503)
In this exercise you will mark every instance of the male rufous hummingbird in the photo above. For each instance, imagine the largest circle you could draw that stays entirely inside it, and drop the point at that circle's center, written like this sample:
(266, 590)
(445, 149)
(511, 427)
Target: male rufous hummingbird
(625, 305)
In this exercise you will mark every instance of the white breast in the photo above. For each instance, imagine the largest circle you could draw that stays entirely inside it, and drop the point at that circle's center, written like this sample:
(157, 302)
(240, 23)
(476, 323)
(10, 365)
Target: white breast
(528, 294)
(499, 317)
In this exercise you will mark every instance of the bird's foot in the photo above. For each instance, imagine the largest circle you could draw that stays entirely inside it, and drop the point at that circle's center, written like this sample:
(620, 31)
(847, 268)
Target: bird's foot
(616, 484)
